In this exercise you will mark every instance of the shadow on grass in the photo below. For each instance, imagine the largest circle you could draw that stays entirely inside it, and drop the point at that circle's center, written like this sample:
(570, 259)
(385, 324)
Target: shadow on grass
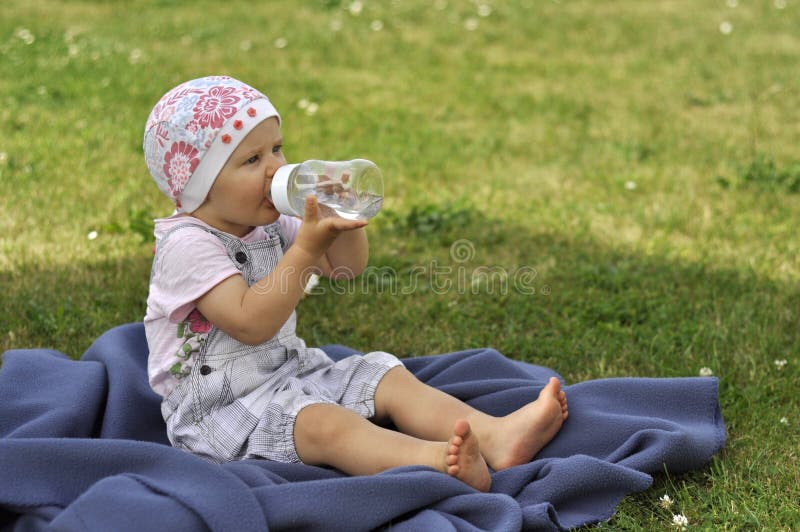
(66, 308)
(594, 311)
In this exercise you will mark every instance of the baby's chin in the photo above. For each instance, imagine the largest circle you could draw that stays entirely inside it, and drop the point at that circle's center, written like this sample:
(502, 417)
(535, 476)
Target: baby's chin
(270, 213)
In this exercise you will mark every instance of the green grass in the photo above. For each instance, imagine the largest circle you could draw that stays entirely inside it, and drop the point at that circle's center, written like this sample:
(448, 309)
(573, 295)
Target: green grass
(643, 162)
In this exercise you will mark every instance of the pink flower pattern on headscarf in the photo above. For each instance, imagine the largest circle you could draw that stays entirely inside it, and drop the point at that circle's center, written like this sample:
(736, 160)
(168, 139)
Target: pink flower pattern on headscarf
(216, 106)
(179, 165)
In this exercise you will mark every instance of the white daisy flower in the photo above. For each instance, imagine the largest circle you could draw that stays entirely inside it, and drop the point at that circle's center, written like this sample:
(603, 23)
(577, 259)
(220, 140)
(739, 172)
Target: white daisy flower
(665, 501)
(706, 372)
(680, 521)
(135, 56)
(25, 35)
(355, 8)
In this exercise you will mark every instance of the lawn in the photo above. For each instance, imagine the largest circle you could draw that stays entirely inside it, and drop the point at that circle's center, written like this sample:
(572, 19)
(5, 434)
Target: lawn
(608, 188)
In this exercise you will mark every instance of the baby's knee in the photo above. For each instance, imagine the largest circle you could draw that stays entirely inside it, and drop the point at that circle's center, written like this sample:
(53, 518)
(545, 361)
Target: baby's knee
(394, 391)
(318, 426)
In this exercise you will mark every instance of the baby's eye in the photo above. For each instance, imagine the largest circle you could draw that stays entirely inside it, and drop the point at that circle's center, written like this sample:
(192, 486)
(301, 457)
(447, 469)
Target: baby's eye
(277, 149)
(252, 160)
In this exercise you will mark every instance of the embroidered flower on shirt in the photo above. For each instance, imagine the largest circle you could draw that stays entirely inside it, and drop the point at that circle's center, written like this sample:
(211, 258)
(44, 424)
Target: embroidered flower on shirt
(179, 370)
(198, 323)
(193, 330)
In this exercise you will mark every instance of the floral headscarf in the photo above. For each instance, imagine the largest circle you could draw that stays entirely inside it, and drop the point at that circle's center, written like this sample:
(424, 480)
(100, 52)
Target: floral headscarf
(193, 130)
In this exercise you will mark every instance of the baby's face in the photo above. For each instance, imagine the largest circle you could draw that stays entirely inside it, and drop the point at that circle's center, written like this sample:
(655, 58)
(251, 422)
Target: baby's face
(239, 199)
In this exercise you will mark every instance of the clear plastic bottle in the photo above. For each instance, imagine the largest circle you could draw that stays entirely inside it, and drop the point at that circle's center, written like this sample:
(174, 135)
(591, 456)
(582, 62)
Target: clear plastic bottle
(349, 189)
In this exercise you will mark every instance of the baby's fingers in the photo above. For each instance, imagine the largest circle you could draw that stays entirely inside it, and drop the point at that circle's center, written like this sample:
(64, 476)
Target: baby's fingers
(311, 212)
(340, 224)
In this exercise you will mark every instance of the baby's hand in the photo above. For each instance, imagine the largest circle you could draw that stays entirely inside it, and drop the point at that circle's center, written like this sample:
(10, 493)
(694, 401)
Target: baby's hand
(316, 233)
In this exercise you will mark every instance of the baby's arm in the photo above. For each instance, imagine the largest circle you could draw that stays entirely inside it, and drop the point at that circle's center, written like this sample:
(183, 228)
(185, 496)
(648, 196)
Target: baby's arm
(255, 314)
(347, 256)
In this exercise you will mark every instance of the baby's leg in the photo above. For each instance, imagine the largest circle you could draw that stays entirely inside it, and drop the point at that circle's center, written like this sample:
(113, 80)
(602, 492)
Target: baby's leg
(326, 434)
(425, 412)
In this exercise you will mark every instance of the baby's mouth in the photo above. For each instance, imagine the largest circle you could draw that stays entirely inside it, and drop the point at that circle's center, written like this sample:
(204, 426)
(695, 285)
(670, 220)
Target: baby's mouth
(268, 196)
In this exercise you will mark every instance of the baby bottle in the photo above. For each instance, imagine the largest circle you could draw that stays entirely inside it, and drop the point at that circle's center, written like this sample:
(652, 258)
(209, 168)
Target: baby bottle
(349, 189)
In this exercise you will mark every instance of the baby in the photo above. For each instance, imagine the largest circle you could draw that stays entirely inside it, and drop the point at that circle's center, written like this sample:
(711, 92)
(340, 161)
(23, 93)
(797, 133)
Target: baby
(228, 272)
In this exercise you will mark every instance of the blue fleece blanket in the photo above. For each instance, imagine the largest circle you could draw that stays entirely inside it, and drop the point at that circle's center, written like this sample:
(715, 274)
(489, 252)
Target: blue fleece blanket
(83, 447)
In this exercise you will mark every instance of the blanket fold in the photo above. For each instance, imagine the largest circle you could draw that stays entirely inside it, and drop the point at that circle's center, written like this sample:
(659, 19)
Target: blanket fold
(83, 447)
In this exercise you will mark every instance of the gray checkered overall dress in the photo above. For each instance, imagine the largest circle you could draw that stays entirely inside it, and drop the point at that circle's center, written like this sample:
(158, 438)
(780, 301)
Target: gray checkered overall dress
(241, 401)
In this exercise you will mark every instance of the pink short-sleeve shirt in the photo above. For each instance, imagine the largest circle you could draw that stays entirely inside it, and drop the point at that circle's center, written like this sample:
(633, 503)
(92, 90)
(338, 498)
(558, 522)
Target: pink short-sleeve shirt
(190, 263)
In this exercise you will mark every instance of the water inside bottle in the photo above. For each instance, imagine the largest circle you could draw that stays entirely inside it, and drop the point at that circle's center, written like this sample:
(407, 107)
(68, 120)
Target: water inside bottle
(352, 207)
(338, 194)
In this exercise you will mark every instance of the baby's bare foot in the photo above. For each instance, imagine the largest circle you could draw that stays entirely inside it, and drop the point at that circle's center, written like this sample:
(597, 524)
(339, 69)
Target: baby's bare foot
(522, 434)
(464, 460)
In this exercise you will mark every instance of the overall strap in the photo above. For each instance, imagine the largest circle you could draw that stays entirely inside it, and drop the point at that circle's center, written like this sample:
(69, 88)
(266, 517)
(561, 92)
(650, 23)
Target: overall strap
(237, 251)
